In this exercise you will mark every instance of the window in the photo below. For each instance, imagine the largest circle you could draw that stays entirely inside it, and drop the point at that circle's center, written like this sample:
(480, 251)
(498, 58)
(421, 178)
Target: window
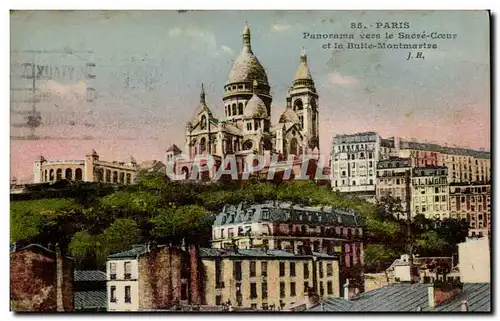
(292, 289)
(218, 300)
(329, 269)
(128, 178)
(112, 295)
(321, 289)
(329, 287)
(320, 268)
(112, 271)
(292, 269)
(237, 271)
(218, 272)
(253, 267)
(306, 270)
(184, 291)
(282, 289)
(128, 270)
(253, 290)
(263, 268)
(282, 268)
(127, 294)
(306, 287)
(264, 290)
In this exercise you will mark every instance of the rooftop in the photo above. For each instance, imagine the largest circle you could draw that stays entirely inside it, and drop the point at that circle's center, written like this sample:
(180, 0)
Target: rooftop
(285, 212)
(89, 275)
(256, 253)
(90, 299)
(409, 297)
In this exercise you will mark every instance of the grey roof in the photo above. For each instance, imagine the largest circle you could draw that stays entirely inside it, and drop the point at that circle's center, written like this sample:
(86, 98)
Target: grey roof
(408, 297)
(90, 299)
(444, 149)
(282, 212)
(89, 275)
(211, 252)
(132, 253)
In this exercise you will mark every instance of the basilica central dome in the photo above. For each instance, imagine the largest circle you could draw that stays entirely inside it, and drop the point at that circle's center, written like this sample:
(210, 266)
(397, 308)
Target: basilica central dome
(247, 67)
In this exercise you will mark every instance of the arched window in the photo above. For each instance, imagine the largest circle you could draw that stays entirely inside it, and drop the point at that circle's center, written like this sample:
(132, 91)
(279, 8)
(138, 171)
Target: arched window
(229, 110)
(122, 178)
(294, 146)
(297, 105)
(115, 177)
(100, 175)
(78, 174)
(128, 178)
(46, 175)
(203, 145)
(240, 109)
(247, 145)
(59, 174)
(108, 176)
(69, 174)
(185, 171)
(51, 175)
(234, 109)
(203, 124)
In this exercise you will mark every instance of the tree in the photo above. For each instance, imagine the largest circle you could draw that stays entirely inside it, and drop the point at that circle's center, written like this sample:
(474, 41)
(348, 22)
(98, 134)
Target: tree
(121, 235)
(176, 223)
(430, 243)
(378, 257)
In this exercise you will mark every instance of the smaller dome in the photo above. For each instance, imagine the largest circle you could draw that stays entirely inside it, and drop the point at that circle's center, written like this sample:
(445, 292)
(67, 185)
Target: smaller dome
(289, 116)
(255, 108)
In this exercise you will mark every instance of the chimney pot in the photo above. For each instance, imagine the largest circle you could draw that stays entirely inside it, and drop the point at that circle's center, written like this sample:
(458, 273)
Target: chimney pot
(464, 307)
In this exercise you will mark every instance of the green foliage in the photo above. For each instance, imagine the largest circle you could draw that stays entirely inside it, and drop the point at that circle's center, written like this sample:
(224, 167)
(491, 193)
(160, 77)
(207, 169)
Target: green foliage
(121, 235)
(176, 222)
(28, 219)
(378, 257)
(430, 243)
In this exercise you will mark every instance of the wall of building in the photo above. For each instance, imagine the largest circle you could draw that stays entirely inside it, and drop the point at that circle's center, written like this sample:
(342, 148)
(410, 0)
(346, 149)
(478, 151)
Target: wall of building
(33, 282)
(230, 285)
(474, 260)
(120, 283)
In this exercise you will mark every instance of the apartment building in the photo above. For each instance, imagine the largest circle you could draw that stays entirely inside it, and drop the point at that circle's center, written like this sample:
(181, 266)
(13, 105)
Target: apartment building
(472, 203)
(149, 277)
(295, 229)
(267, 279)
(354, 163)
(391, 180)
(430, 194)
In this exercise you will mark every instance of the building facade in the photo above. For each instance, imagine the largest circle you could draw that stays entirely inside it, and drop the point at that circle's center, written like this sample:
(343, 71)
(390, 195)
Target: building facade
(474, 257)
(90, 169)
(391, 181)
(295, 229)
(354, 163)
(246, 126)
(472, 203)
(430, 194)
(267, 279)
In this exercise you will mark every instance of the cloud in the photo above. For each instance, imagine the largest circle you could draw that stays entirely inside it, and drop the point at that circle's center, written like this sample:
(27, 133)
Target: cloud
(226, 49)
(174, 32)
(280, 27)
(337, 79)
(201, 40)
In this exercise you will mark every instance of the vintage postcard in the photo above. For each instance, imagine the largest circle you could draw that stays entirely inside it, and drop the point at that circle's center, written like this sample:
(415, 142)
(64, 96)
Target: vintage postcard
(261, 161)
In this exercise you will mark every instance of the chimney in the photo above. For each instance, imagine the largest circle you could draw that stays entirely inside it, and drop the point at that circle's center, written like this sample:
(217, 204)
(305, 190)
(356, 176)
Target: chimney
(350, 291)
(464, 307)
(438, 294)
